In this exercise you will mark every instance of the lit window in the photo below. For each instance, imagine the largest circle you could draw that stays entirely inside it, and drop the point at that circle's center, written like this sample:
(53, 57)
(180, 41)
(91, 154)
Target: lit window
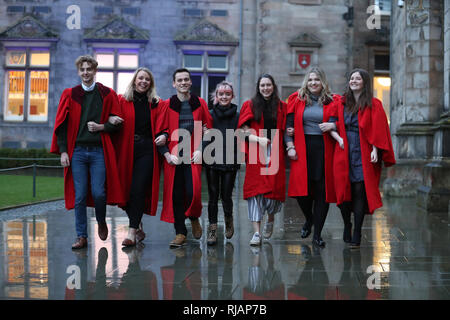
(128, 61)
(27, 72)
(16, 94)
(123, 80)
(16, 58)
(382, 91)
(105, 60)
(38, 96)
(105, 78)
(40, 59)
(116, 67)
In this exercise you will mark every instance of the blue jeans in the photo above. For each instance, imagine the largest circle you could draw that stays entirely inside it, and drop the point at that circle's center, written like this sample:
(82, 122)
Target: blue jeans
(88, 161)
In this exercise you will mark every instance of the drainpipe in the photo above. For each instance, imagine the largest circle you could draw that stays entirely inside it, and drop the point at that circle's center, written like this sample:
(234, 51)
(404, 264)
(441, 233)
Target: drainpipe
(241, 18)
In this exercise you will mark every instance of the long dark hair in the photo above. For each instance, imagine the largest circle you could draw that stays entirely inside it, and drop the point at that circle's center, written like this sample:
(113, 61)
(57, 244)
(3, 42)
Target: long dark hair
(258, 101)
(365, 99)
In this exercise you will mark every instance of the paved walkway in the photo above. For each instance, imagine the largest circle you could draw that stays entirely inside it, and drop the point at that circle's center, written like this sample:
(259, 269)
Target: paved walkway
(404, 254)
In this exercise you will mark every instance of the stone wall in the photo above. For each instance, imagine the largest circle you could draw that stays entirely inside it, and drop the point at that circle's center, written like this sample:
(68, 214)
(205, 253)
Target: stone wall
(419, 120)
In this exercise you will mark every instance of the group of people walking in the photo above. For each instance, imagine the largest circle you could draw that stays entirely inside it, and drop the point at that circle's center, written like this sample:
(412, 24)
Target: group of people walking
(114, 148)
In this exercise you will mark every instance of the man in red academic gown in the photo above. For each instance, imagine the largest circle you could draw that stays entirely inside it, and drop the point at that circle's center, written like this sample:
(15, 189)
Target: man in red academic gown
(81, 136)
(186, 114)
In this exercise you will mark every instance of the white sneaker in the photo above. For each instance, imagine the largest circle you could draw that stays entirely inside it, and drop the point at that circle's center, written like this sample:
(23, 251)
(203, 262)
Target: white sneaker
(268, 229)
(256, 240)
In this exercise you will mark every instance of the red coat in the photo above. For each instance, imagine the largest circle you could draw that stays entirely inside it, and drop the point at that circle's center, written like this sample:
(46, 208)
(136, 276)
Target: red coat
(272, 185)
(70, 107)
(298, 180)
(373, 130)
(124, 145)
(171, 110)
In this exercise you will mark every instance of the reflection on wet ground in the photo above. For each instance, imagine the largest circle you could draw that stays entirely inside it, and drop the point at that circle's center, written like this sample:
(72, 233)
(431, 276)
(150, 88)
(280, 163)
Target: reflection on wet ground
(404, 254)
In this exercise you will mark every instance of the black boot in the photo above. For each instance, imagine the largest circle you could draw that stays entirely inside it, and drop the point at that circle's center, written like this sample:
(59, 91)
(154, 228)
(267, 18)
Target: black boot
(347, 233)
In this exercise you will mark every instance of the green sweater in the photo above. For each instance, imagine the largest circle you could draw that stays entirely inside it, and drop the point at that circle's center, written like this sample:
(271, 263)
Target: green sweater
(91, 110)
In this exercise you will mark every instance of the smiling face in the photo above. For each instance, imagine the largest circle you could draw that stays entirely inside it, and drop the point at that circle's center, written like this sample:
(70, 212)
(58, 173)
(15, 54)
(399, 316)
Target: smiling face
(314, 84)
(87, 73)
(356, 82)
(266, 88)
(182, 83)
(224, 95)
(142, 82)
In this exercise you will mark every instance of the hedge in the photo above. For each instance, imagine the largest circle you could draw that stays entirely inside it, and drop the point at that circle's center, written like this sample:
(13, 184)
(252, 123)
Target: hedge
(26, 153)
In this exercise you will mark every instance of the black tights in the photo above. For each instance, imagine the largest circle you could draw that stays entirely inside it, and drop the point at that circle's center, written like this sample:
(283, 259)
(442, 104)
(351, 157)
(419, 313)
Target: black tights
(359, 207)
(182, 196)
(141, 181)
(314, 206)
(220, 182)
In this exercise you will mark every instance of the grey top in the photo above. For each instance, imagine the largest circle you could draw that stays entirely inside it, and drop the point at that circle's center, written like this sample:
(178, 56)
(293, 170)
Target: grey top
(312, 117)
(186, 120)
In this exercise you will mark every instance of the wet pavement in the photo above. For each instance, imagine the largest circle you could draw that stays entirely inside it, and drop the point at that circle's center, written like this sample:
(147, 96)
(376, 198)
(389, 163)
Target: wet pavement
(404, 254)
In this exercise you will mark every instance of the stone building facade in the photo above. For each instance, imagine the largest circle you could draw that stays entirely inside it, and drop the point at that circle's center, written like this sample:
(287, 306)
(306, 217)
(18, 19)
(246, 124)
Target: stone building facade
(420, 55)
(235, 40)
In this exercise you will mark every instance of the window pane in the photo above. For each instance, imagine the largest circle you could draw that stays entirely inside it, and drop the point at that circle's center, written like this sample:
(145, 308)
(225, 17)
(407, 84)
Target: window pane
(38, 96)
(385, 5)
(16, 58)
(217, 62)
(382, 62)
(128, 61)
(193, 61)
(105, 60)
(196, 85)
(105, 78)
(123, 79)
(15, 95)
(40, 59)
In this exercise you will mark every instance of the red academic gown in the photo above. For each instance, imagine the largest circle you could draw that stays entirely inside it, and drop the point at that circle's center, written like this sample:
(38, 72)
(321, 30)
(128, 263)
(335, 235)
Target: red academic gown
(298, 180)
(373, 130)
(70, 107)
(200, 113)
(272, 185)
(124, 145)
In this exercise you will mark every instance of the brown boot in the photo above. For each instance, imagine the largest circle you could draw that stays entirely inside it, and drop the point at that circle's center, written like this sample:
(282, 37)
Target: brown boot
(80, 243)
(212, 234)
(229, 228)
(196, 228)
(180, 239)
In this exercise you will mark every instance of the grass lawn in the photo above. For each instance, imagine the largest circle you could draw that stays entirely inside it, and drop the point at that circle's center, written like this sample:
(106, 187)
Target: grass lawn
(17, 190)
